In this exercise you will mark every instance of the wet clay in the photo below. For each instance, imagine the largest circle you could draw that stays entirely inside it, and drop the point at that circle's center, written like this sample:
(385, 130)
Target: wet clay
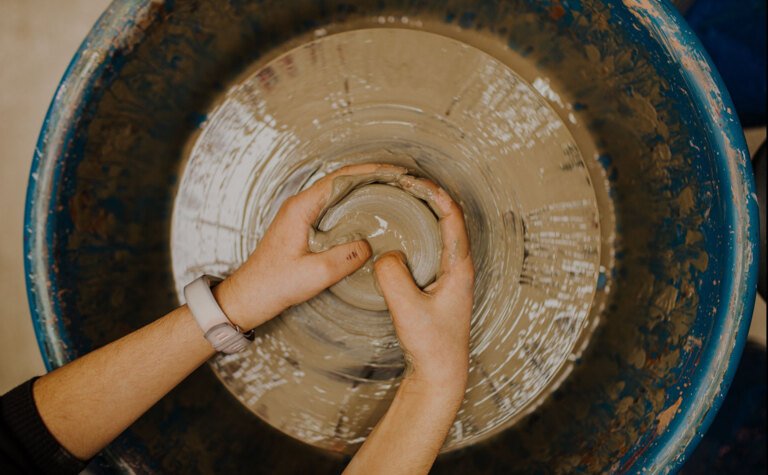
(381, 208)
(326, 370)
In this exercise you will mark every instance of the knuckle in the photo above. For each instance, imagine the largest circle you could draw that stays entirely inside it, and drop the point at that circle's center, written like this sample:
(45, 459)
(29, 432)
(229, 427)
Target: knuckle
(326, 270)
(447, 198)
(452, 206)
(345, 170)
(295, 208)
(447, 205)
(289, 204)
(430, 185)
(358, 250)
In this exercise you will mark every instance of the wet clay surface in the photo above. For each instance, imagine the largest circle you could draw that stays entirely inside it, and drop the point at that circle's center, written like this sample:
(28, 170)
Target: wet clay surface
(381, 209)
(112, 175)
(325, 370)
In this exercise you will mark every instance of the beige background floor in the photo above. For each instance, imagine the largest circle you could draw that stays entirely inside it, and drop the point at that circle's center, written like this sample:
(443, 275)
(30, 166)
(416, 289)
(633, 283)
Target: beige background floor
(37, 40)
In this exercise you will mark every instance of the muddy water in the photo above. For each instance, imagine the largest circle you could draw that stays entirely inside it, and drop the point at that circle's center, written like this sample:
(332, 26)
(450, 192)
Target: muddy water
(325, 371)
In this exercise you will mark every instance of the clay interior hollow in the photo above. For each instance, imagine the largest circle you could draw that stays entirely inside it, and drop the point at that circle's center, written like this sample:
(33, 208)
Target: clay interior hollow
(391, 212)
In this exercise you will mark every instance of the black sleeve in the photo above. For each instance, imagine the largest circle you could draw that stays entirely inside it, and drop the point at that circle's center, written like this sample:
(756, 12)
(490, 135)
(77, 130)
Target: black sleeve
(26, 445)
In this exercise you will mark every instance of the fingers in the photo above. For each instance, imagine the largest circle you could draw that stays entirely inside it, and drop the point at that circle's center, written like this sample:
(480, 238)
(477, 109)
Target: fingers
(396, 282)
(451, 220)
(309, 203)
(338, 262)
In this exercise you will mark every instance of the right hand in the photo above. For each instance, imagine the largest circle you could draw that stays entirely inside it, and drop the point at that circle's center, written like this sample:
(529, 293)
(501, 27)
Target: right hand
(433, 324)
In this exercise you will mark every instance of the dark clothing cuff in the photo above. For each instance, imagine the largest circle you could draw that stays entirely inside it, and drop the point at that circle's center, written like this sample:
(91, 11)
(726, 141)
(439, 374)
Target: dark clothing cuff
(22, 423)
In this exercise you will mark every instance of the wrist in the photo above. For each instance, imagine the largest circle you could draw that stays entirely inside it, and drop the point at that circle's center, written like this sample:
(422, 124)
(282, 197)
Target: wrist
(233, 305)
(446, 390)
(449, 375)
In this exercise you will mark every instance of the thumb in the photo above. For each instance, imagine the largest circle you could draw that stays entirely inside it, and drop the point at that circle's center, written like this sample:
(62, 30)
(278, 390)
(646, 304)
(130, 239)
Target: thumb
(395, 281)
(342, 260)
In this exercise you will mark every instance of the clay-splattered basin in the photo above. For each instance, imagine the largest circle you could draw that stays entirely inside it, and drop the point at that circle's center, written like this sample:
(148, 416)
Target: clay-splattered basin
(675, 300)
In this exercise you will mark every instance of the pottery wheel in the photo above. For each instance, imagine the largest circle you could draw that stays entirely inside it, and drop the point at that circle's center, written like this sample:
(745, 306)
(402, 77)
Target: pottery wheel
(325, 371)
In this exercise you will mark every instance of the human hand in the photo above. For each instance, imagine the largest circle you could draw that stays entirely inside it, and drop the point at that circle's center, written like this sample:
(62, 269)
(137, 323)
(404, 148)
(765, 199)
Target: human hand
(433, 328)
(433, 324)
(282, 271)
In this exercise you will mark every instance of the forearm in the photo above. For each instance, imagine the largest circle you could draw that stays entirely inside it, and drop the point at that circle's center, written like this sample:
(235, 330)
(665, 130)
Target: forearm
(89, 402)
(411, 433)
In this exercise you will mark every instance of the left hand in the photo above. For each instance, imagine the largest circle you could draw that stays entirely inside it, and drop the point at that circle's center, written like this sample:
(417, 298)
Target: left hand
(433, 324)
(282, 271)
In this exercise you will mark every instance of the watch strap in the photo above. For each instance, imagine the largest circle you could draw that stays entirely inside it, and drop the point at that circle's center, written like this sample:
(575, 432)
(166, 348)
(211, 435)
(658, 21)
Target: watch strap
(223, 335)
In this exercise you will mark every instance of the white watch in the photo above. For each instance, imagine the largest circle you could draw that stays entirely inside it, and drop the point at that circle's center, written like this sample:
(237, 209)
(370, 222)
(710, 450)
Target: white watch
(225, 336)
